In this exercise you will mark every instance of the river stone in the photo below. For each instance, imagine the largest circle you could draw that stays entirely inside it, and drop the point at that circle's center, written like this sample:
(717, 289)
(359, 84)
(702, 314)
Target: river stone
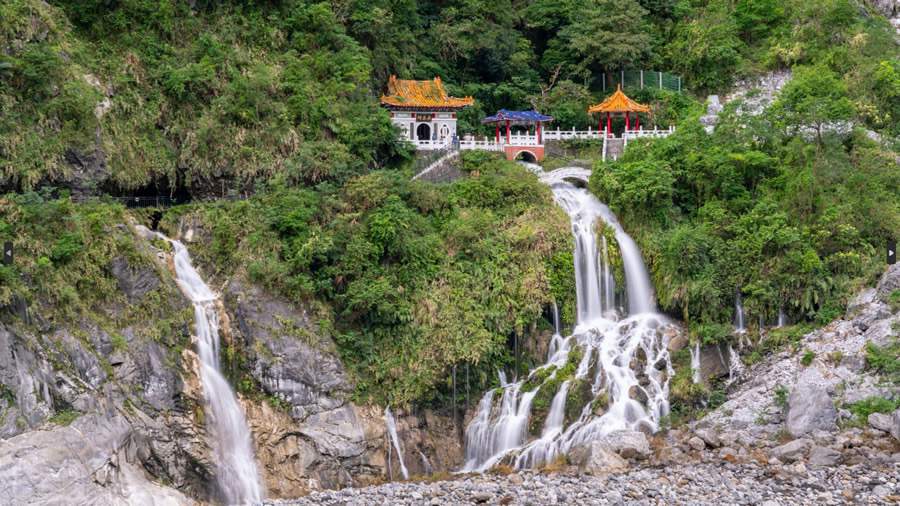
(821, 456)
(627, 443)
(595, 458)
(791, 451)
(810, 408)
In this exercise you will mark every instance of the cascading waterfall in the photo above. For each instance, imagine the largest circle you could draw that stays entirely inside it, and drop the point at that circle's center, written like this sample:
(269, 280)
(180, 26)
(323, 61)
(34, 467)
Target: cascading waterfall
(392, 431)
(735, 366)
(739, 325)
(782, 318)
(695, 363)
(237, 474)
(624, 363)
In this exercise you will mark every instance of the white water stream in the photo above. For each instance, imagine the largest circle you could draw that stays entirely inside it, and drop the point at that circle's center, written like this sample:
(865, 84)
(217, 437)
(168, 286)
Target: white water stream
(624, 365)
(237, 475)
(392, 431)
(739, 325)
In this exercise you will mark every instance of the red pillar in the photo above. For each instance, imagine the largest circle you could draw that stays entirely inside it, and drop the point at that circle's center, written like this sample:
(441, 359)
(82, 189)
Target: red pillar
(637, 121)
(608, 124)
(498, 132)
(507, 131)
(627, 122)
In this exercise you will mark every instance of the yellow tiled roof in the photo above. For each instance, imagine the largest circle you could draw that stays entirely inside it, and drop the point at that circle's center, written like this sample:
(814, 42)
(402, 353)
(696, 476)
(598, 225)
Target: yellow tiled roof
(618, 102)
(409, 93)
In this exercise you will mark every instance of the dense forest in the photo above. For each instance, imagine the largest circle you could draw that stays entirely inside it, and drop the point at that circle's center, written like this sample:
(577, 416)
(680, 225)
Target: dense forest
(280, 99)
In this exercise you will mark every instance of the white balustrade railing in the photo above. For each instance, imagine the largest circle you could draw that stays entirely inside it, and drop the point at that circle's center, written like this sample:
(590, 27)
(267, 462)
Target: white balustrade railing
(491, 144)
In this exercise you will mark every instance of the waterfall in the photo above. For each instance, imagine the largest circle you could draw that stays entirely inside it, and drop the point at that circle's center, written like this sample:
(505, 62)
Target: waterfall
(624, 361)
(695, 363)
(782, 318)
(392, 431)
(735, 366)
(739, 325)
(237, 474)
(608, 282)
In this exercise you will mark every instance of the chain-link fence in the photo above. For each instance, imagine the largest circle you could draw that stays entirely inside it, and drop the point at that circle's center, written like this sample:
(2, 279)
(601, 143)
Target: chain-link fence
(640, 79)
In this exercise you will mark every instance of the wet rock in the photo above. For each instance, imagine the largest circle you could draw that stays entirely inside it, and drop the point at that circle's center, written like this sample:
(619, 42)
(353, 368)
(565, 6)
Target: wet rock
(627, 443)
(713, 362)
(792, 451)
(595, 458)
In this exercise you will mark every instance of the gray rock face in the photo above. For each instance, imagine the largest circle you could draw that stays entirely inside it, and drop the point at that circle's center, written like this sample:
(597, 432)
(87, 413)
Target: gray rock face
(595, 459)
(889, 282)
(84, 463)
(792, 451)
(295, 363)
(135, 282)
(810, 408)
(89, 171)
(713, 362)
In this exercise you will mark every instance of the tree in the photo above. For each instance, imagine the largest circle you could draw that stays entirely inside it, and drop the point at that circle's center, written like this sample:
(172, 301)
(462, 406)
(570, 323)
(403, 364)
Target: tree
(608, 34)
(813, 98)
(705, 50)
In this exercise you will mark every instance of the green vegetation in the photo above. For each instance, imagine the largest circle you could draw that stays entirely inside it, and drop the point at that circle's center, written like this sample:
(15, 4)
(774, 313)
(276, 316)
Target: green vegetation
(884, 360)
(807, 359)
(866, 407)
(417, 278)
(781, 396)
(64, 417)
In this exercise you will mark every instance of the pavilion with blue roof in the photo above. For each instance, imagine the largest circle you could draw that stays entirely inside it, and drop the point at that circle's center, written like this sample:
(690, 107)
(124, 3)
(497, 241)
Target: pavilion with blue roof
(516, 145)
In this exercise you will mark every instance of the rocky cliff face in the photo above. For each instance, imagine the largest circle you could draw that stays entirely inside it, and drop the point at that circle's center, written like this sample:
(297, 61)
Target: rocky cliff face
(105, 407)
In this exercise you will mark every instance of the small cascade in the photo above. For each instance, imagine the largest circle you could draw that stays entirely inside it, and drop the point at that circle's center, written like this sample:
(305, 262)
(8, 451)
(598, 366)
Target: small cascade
(695, 363)
(556, 325)
(608, 282)
(623, 357)
(735, 366)
(782, 318)
(395, 441)
(739, 325)
(237, 474)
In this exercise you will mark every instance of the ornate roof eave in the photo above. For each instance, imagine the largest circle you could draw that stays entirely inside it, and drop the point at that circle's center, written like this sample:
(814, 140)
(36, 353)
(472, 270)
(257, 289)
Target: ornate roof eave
(618, 102)
(428, 95)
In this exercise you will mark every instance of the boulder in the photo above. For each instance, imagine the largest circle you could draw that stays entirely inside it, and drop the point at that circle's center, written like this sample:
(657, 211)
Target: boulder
(709, 437)
(595, 458)
(821, 456)
(713, 362)
(880, 421)
(791, 451)
(810, 408)
(696, 443)
(627, 443)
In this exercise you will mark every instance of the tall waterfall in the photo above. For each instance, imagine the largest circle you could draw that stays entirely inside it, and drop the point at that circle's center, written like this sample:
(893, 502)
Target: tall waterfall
(739, 324)
(392, 432)
(237, 475)
(624, 364)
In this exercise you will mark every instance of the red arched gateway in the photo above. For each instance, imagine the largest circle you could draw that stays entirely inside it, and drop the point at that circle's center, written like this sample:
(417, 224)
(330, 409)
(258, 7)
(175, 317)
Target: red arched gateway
(516, 144)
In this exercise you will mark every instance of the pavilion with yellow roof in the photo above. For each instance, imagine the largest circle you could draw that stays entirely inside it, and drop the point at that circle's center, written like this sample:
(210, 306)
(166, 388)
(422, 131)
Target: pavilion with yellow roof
(619, 103)
(424, 112)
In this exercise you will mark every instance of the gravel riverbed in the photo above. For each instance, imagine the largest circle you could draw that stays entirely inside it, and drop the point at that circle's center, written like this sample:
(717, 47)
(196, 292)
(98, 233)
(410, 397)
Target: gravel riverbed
(720, 483)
